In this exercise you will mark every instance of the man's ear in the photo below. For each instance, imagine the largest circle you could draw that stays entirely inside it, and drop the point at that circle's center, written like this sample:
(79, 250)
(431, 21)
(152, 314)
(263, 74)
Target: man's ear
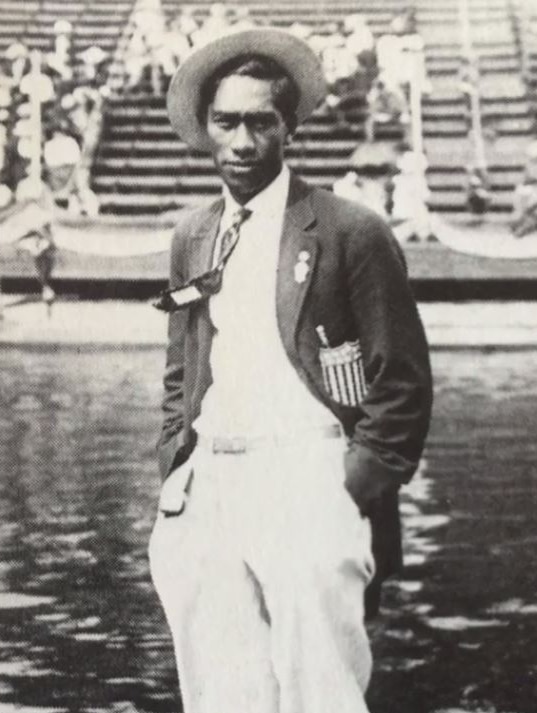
(291, 123)
(291, 128)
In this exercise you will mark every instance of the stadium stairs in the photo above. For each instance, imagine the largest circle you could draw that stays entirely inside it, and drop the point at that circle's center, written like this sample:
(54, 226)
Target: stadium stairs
(142, 168)
(142, 172)
(506, 101)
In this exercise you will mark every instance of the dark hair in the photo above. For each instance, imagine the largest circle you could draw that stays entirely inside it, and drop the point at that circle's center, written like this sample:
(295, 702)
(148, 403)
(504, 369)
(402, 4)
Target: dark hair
(285, 92)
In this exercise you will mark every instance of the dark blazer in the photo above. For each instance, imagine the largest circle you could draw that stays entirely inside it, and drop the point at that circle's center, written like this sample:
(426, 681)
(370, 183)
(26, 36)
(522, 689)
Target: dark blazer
(357, 288)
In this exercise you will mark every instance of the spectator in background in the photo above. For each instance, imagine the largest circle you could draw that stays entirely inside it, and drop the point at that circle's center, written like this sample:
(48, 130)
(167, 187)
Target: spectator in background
(340, 67)
(216, 24)
(146, 47)
(178, 39)
(18, 62)
(82, 199)
(4, 176)
(478, 193)
(40, 245)
(301, 30)
(67, 174)
(349, 187)
(361, 42)
(136, 60)
(359, 35)
(413, 66)
(404, 22)
(61, 59)
(386, 105)
(5, 97)
(367, 191)
(390, 59)
(169, 50)
(401, 58)
(524, 217)
(158, 52)
(61, 153)
(93, 66)
(242, 19)
(186, 23)
(411, 196)
(317, 42)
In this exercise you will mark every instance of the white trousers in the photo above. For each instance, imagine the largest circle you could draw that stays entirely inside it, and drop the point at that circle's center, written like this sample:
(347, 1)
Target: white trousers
(262, 580)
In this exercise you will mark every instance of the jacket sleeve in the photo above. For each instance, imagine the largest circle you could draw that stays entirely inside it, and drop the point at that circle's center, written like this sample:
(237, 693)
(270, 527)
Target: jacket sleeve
(169, 447)
(390, 432)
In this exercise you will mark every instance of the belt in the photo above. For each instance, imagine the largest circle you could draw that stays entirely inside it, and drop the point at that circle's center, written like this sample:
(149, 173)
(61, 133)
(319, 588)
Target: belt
(244, 444)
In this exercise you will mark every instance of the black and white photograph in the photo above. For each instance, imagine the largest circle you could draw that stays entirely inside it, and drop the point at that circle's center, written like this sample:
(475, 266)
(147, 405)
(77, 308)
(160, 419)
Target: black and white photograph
(268, 336)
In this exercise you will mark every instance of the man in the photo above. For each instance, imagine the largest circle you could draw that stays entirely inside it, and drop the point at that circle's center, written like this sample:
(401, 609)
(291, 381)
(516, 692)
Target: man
(297, 400)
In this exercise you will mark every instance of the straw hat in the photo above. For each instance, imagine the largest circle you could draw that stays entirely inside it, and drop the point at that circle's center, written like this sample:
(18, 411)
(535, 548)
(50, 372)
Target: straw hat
(291, 53)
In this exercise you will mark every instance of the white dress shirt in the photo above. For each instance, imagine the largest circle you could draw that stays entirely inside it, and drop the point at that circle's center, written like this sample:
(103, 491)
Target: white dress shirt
(255, 391)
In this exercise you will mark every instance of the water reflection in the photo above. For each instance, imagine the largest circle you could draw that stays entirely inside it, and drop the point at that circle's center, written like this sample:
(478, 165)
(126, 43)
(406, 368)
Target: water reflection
(80, 626)
(459, 631)
(77, 496)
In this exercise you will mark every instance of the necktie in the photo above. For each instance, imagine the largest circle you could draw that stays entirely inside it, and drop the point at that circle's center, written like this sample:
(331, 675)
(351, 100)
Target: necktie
(231, 237)
(210, 282)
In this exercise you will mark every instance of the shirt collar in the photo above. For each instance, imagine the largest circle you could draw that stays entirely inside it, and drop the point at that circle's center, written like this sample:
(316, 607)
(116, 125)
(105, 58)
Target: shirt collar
(266, 200)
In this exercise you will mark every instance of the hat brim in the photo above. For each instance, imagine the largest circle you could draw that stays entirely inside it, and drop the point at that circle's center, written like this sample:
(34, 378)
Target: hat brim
(291, 53)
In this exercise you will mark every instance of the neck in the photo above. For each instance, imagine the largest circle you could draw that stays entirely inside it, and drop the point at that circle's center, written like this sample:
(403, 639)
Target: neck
(243, 197)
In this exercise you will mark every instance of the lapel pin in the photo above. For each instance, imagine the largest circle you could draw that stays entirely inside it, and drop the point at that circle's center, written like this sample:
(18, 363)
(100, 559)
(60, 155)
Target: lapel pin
(302, 267)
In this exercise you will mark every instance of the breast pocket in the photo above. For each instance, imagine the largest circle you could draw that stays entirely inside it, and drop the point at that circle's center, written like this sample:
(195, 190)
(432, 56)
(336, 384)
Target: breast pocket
(343, 373)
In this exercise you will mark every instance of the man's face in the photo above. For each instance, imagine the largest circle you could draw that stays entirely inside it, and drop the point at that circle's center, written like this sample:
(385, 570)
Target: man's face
(247, 135)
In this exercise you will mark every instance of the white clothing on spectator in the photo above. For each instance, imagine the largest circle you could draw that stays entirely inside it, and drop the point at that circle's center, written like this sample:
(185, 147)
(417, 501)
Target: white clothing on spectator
(411, 193)
(92, 57)
(339, 63)
(368, 192)
(40, 86)
(61, 150)
(177, 47)
(214, 26)
(300, 30)
(361, 39)
(390, 58)
(318, 43)
(349, 186)
(186, 23)
(413, 61)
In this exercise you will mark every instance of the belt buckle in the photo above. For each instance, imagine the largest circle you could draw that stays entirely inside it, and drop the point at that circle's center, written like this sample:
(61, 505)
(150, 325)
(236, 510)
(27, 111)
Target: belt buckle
(229, 445)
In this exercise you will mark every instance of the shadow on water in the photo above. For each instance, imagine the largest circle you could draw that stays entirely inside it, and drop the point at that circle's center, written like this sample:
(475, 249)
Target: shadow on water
(80, 625)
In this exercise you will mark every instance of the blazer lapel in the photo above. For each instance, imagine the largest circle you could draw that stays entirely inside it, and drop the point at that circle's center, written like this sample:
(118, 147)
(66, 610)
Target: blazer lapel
(298, 254)
(201, 245)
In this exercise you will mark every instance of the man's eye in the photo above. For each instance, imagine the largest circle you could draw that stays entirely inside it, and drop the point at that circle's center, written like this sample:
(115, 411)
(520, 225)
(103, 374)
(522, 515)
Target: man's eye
(223, 123)
(262, 124)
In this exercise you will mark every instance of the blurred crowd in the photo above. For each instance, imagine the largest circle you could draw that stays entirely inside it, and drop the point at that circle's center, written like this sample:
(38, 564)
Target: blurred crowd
(366, 74)
(50, 116)
(67, 88)
(355, 63)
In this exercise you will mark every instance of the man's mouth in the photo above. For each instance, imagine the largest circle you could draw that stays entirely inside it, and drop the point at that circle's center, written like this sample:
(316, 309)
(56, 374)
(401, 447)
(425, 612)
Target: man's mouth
(241, 165)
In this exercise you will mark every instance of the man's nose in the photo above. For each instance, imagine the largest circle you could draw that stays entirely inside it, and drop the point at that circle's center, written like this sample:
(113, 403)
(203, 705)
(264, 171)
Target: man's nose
(243, 141)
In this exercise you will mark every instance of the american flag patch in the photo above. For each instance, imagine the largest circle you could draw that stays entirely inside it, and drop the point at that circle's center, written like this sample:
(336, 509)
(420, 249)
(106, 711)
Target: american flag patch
(343, 373)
